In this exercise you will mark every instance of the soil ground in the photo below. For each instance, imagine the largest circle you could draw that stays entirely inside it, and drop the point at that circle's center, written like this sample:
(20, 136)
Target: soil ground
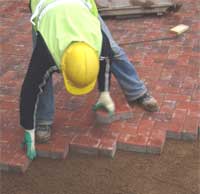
(175, 171)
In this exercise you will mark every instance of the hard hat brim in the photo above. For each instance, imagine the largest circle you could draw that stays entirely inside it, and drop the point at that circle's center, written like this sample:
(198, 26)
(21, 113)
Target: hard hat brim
(77, 91)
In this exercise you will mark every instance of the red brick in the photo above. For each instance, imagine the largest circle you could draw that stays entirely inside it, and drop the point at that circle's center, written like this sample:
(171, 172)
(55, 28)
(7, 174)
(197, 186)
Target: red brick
(122, 112)
(179, 114)
(156, 141)
(116, 127)
(89, 119)
(166, 74)
(168, 106)
(59, 152)
(108, 147)
(43, 150)
(158, 116)
(85, 144)
(98, 132)
(170, 90)
(192, 108)
(70, 128)
(13, 158)
(129, 128)
(108, 144)
(124, 115)
(56, 148)
(137, 110)
(190, 129)
(8, 105)
(8, 98)
(8, 76)
(196, 95)
(145, 127)
(122, 106)
(132, 143)
(178, 97)
(158, 85)
(159, 125)
(174, 129)
(103, 117)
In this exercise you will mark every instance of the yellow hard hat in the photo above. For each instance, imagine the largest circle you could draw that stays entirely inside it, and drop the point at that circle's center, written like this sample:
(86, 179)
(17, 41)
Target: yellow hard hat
(80, 67)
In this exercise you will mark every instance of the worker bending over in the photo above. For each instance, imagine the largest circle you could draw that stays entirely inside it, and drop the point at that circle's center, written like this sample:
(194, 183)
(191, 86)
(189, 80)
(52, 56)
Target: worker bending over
(69, 40)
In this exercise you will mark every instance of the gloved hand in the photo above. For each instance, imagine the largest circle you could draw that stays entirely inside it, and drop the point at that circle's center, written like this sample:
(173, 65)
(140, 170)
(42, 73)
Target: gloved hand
(29, 143)
(105, 101)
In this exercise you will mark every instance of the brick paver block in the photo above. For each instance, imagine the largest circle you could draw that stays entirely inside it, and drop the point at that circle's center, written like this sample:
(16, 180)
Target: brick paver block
(56, 148)
(122, 112)
(13, 158)
(169, 68)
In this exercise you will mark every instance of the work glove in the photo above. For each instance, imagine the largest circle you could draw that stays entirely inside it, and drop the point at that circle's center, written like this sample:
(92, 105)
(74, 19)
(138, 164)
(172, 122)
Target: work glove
(105, 101)
(29, 143)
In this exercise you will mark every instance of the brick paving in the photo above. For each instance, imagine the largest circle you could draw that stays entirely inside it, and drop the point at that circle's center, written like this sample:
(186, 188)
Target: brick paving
(170, 69)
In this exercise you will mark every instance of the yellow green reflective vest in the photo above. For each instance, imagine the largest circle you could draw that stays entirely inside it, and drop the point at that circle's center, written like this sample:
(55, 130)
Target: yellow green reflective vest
(61, 22)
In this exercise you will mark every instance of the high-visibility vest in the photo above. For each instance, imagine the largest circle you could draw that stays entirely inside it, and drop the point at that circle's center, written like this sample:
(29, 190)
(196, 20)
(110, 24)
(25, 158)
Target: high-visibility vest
(61, 22)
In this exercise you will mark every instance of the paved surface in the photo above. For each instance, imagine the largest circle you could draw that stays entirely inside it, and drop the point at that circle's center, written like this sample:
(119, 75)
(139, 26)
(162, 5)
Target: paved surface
(170, 68)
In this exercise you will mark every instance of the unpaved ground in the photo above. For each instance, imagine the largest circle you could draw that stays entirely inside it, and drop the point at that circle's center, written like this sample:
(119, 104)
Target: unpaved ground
(175, 171)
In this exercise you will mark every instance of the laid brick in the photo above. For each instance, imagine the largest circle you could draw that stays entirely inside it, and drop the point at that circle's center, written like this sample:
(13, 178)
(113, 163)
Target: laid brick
(175, 125)
(178, 97)
(13, 158)
(170, 90)
(170, 62)
(108, 147)
(108, 139)
(129, 128)
(189, 83)
(132, 143)
(175, 81)
(56, 148)
(158, 85)
(85, 144)
(75, 103)
(174, 129)
(8, 105)
(116, 127)
(104, 118)
(158, 116)
(196, 95)
(168, 106)
(156, 141)
(8, 76)
(159, 125)
(20, 164)
(59, 153)
(145, 127)
(8, 98)
(193, 60)
(43, 150)
(124, 115)
(192, 106)
(190, 129)
(89, 119)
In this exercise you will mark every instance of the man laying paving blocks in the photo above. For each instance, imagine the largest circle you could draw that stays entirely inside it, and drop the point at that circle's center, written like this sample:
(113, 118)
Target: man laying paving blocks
(70, 41)
(70, 37)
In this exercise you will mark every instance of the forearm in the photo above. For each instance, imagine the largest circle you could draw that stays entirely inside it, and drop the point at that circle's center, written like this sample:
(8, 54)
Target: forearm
(104, 76)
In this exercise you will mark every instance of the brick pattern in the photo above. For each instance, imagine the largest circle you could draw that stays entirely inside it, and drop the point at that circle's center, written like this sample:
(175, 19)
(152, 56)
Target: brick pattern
(170, 69)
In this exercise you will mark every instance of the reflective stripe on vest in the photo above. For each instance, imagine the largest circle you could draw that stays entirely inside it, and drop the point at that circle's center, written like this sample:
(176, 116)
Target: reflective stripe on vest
(52, 5)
